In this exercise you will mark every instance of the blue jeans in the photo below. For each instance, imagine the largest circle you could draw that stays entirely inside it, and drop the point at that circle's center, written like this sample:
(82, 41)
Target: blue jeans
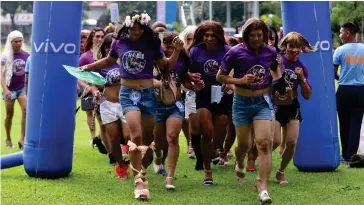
(142, 100)
(15, 94)
(168, 111)
(247, 109)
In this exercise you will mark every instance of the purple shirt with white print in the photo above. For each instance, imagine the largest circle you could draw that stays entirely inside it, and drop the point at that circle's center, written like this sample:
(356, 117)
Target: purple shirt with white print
(112, 74)
(136, 58)
(18, 79)
(288, 67)
(207, 63)
(245, 61)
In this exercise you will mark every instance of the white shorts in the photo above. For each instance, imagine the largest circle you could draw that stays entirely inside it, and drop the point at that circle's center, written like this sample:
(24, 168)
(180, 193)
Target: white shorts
(190, 103)
(111, 112)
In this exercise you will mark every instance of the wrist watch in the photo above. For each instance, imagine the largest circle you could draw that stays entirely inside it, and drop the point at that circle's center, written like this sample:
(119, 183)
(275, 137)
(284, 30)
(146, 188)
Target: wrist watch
(304, 80)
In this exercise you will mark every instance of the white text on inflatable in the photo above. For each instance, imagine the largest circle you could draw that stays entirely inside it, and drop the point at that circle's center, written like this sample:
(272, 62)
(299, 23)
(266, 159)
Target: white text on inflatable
(68, 48)
(323, 45)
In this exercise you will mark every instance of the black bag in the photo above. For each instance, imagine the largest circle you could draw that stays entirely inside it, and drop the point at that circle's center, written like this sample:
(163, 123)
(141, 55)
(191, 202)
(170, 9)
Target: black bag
(87, 103)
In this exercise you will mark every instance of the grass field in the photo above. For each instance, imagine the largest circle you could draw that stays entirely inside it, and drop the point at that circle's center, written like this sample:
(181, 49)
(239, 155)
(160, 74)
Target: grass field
(93, 181)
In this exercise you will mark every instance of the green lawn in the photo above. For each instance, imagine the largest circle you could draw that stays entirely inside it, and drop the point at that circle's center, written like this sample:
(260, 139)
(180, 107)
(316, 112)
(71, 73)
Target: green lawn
(93, 181)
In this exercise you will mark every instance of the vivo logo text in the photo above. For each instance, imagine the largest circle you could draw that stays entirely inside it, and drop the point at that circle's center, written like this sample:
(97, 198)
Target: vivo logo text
(323, 45)
(68, 48)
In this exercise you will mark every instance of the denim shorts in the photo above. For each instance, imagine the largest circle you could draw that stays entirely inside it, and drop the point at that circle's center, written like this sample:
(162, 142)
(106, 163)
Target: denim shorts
(247, 109)
(142, 100)
(15, 94)
(168, 111)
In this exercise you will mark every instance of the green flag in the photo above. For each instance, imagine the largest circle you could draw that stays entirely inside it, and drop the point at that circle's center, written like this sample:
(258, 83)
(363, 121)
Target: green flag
(89, 77)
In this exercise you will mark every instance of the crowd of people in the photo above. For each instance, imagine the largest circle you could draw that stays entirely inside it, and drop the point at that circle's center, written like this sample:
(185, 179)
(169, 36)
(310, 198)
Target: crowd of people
(212, 86)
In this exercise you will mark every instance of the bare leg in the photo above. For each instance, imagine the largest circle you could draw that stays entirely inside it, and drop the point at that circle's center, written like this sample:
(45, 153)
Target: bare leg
(174, 126)
(291, 131)
(23, 105)
(263, 139)
(89, 123)
(9, 106)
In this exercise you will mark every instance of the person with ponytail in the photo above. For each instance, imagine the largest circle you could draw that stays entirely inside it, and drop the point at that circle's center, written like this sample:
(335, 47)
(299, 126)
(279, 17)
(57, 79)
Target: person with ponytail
(288, 115)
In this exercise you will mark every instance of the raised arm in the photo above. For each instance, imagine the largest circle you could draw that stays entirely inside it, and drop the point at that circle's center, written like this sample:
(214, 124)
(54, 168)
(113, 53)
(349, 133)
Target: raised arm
(100, 64)
(178, 45)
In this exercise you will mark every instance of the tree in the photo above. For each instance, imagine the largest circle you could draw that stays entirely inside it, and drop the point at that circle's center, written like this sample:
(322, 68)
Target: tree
(126, 7)
(270, 7)
(11, 7)
(276, 21)
(343, 11)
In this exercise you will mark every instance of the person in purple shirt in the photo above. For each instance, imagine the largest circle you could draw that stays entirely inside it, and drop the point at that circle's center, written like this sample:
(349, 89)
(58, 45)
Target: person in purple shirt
(252, 105)
(138, 48)
(111, 112)
(170, 115)
(91, 47)
(206, 52)
(13, 62)
(253, 153)
(288, 114)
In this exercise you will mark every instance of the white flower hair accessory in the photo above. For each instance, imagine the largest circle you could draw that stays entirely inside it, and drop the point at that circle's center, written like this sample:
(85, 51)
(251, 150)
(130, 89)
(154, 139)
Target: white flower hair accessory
(128, 22)
(143, 19)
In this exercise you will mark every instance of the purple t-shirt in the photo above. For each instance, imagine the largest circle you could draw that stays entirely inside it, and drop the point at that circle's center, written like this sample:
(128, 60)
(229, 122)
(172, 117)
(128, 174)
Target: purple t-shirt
(18, 79)
(207, 63)
(88, 58)
(246, 61)
(181, 68)
(136, 58)
(112, 74)
(288, 67)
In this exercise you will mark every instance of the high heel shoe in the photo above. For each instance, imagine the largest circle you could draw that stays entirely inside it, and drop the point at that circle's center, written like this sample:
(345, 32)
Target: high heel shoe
(170, 186)
(9, 144)
(21, 145)
(97, 141)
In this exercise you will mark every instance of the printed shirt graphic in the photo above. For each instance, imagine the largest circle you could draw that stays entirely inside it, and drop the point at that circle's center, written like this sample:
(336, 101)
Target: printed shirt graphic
(112, 74)
(260, 73)
(18, 66)
(211, 67)
(133, 62)
(245, 61)
(206, 63)
(288, 70)
(136, 58)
